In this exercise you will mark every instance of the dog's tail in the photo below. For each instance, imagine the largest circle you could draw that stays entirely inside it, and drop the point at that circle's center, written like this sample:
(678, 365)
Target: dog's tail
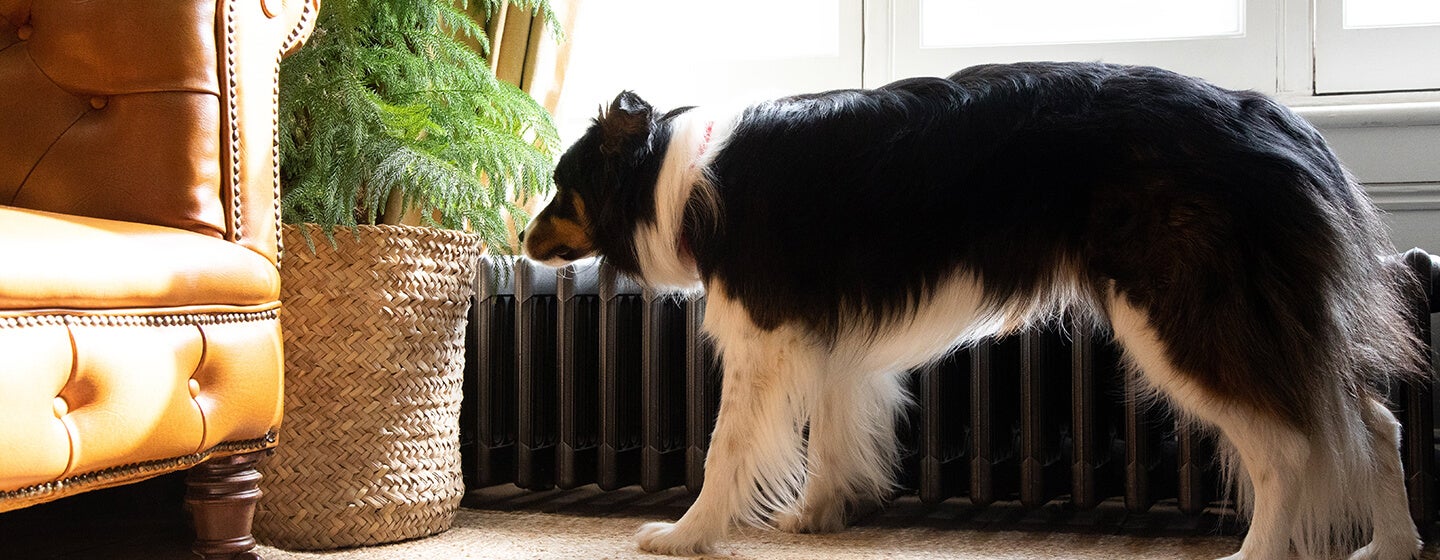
(1352, 487)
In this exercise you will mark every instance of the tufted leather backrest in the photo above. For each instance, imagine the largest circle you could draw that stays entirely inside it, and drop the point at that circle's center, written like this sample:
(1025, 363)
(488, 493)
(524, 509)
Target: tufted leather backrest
(131, 110)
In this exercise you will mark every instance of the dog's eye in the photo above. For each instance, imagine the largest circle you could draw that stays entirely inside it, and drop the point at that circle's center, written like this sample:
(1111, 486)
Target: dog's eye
(562, 207)
(568, 206)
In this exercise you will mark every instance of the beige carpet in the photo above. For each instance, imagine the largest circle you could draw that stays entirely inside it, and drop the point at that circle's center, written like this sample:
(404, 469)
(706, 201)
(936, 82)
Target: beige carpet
(144, 522)
(508, 535)
(505, 523)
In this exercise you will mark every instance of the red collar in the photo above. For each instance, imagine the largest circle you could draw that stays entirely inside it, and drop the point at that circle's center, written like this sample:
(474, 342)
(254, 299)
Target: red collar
(705, 140)
(684, 236)
(683, 239)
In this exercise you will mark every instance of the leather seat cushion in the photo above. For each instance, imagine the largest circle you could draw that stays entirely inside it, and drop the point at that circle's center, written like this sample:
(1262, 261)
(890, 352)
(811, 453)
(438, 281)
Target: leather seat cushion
(77, 263)
(100, 396)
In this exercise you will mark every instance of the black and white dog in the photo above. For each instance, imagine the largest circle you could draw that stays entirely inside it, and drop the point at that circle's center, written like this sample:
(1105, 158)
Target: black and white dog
(848, 236)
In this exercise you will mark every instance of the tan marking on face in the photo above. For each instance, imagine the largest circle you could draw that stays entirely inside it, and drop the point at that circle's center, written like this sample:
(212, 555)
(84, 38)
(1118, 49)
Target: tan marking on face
(581, 218)
(552, 236)
(569, 233)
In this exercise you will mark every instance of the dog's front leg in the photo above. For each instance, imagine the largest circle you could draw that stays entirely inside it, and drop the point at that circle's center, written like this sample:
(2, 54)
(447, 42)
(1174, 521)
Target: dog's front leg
(852, 453)
(756, 462)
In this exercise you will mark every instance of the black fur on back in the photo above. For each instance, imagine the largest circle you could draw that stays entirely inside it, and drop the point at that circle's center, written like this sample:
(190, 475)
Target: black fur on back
(1219, 213)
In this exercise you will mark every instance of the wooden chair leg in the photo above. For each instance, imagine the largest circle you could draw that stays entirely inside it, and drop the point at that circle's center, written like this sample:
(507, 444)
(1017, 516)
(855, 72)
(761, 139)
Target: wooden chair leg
(222, 494)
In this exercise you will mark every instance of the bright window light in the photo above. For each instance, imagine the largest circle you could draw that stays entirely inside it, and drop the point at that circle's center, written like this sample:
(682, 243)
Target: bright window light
(1391, 13)
(986, 23)
(707, 30)
(684, 52)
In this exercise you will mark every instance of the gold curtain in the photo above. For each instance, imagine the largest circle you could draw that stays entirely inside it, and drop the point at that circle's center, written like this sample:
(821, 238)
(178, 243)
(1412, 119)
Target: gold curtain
(525, 53)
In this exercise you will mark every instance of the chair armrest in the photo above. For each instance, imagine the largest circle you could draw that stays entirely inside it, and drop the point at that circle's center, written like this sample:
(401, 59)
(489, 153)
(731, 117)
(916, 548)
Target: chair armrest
(255, 35)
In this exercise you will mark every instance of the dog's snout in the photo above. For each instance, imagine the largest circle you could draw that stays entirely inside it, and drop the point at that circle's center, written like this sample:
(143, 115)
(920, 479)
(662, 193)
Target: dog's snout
(573, 254)
(552, 241)
(560, 233)
(564, 252)
(556, 253)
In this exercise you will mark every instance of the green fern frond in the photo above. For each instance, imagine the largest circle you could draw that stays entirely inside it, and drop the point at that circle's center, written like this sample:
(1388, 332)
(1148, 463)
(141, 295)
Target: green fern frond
(387, 98)
(483, 10)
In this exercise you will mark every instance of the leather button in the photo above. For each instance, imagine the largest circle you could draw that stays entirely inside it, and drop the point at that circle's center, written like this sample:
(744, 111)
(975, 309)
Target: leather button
(24, 32)
(98, 102)
(61, 407)
(194, 388)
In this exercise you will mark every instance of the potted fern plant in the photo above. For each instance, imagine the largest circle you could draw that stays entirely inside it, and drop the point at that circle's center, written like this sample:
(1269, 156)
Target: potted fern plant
(388, 111)
(387, 102)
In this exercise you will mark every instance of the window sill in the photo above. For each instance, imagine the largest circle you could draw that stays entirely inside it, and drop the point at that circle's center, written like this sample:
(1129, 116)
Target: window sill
(1369, 110)
(1401, 197)
(1384, 139)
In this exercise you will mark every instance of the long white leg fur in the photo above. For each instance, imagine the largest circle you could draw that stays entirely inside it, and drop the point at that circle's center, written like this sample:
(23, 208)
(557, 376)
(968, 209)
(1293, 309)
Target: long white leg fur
(776, 382)
(852, 452)
(756, 462)
(1395, 535)
(1314, 492)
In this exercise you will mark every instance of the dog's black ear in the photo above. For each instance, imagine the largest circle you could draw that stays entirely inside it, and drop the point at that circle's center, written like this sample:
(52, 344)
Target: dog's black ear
(626, 124)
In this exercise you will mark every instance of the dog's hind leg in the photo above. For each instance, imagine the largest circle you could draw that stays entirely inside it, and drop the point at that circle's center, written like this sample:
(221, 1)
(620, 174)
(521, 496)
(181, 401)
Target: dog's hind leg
(1273, 454)
(756, 462)
(1395, 536)
(1275, 458)
(852, 453)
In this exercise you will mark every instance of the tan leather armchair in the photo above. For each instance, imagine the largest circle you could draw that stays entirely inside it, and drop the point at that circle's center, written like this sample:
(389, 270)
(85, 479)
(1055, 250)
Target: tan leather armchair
(139, 287)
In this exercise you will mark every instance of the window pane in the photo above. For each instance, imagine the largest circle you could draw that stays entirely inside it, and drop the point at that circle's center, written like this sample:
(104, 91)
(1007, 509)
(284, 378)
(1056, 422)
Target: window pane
(975, 23)
(1391, 13)
(704, 52)
(1376, 45)
(692, 30)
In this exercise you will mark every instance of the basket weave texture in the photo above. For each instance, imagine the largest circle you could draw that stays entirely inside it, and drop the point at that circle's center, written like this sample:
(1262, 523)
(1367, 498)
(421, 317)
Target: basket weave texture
(374, 350)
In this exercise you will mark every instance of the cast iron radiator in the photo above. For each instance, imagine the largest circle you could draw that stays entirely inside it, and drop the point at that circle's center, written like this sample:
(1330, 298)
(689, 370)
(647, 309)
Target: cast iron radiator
(580, 376)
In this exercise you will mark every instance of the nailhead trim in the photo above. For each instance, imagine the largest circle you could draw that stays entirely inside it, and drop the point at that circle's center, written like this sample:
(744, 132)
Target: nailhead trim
(290, 41)
(198, 319)
(231, 88)
(134, 470)
(32, 321)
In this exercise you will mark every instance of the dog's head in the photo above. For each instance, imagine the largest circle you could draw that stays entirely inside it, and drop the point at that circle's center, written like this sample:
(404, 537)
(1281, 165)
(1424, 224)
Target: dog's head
(600, 190)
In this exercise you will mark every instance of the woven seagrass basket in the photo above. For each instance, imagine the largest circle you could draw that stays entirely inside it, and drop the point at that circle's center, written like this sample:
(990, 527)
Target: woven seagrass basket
(374, 350)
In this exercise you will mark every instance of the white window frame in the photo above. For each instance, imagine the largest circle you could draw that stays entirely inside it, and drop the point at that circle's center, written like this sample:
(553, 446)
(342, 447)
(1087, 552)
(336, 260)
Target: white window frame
(1372, 59)
(893, 49)
(1277, 55)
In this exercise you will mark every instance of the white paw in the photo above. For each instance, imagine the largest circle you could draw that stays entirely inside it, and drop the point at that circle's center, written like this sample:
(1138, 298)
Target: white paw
(667, 538)
(1376, 551)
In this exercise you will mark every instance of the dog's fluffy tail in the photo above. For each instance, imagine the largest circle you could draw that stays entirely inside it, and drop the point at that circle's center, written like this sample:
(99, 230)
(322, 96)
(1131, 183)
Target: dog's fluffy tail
(1351, 489)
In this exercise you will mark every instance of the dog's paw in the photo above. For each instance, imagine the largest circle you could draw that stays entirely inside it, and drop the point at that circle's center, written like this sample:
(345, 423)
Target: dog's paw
(668, 538)
(825, 516)
(812, 520)
(1407, 550)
